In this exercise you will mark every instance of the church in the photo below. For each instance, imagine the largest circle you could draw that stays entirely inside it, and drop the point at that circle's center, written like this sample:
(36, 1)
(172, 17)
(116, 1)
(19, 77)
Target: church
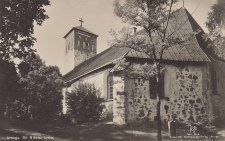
(193, 85)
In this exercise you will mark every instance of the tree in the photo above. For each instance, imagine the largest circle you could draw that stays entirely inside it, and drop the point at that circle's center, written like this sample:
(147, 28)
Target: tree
(17, 26)
(46, 90)
(85, 102)
(9, 86)
(27, 96)
(41, 94)
(153, 17)
(216, 25)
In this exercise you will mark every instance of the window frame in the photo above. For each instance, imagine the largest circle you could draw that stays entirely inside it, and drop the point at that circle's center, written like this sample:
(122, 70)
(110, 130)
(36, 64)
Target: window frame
(110, 87)
(152, 90)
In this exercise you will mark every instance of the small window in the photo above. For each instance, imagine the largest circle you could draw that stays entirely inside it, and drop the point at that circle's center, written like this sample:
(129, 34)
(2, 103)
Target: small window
(110, 87)
(152, 86)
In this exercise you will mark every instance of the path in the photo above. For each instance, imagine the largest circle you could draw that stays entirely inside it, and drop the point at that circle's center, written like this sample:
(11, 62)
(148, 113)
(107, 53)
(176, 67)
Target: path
(14, 133)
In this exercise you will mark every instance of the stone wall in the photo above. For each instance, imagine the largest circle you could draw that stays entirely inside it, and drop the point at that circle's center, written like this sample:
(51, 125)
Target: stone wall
(79, 46)
(190, 96)
(119, 101)
(218, 98)
(186, 95)
(85, 46)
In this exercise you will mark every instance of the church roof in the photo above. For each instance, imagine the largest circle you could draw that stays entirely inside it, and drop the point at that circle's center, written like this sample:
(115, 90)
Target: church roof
(100, 60)
(180, 24)
(80, 28)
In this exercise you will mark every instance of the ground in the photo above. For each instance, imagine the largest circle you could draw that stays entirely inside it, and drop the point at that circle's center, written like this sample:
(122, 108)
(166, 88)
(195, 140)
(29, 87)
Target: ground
(94, 131)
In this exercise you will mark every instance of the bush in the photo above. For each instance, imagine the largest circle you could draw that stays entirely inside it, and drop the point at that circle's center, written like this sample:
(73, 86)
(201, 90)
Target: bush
(64, 118)
(84, 103)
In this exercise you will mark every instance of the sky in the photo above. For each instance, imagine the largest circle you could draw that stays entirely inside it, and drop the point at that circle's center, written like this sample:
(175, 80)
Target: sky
(98, 17)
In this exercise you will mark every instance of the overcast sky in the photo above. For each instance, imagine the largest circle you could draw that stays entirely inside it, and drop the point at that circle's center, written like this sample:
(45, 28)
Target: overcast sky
(98, 17)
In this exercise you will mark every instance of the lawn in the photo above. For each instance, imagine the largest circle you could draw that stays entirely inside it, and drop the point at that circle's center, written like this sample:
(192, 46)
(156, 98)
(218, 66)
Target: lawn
(97, 131)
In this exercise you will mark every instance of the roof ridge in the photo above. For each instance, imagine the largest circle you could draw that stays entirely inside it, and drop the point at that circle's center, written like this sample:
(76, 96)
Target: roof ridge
(79, 28)
(85, 30)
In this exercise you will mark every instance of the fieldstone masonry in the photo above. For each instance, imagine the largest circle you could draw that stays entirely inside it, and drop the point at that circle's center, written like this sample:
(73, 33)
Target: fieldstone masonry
(119, 101)
(188, 102)
(185, 96)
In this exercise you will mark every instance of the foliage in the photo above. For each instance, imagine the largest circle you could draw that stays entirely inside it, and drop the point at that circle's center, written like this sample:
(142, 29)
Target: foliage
(216, 25)
(46, 91)
(216, 18)
(30, 63)
(85, 102)
(41, 89)
(133, 70)
(17, 26)
(9, 86)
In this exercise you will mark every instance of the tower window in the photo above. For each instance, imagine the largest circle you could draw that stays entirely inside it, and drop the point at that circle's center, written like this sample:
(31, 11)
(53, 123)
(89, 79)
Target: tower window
(87, 46)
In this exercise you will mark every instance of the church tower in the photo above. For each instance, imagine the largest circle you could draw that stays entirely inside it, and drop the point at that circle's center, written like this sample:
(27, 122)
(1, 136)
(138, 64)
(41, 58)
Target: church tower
(80, 45)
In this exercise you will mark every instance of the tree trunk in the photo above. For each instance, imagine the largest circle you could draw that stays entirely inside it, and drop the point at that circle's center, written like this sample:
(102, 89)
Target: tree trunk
(159, 124)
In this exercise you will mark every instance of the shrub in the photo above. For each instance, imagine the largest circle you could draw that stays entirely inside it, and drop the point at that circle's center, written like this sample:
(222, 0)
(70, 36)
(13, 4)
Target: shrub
(84, 102)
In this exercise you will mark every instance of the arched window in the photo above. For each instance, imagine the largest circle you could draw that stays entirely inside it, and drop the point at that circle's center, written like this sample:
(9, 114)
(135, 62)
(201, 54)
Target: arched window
(152, 86)
(110, 87)
(213, 81)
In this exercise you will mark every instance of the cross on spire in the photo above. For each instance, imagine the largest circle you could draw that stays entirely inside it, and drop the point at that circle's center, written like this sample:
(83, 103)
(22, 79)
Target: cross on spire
(81, 21)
